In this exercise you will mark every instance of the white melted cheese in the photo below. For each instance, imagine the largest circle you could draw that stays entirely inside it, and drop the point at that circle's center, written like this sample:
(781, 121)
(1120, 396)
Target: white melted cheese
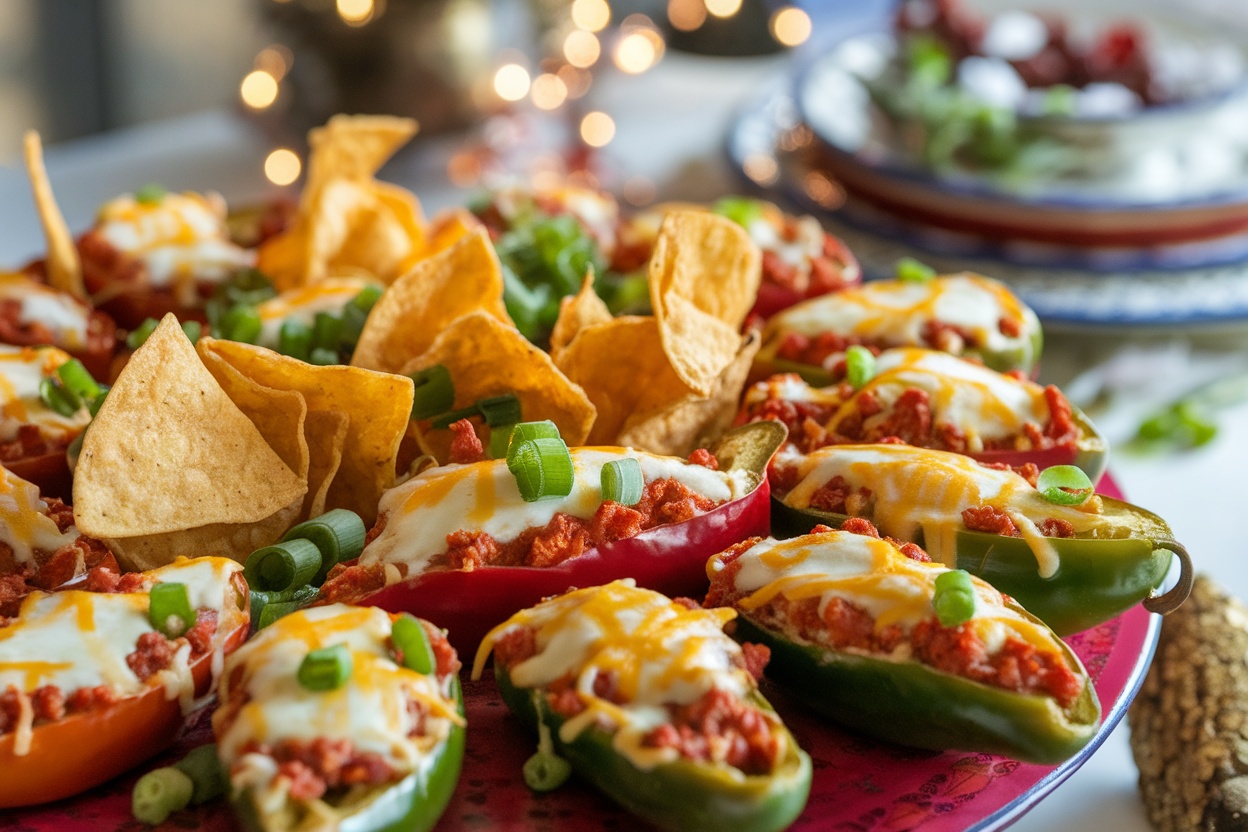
(22, 369)
(894, 312)
(918, 489)
(660, 653)
(62, 315)
(873, 574)
(806, 244)
(982, 403)
(302, 304)
(75, 639)
(24, 523)
(790, 387)
(484, 497)
(181, 238)
(370, 710)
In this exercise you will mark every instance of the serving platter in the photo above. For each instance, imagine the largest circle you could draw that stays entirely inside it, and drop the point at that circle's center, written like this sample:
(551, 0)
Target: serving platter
(859, 784)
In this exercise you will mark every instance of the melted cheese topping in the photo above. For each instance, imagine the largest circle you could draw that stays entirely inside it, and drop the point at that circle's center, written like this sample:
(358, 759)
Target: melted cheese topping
(917, 489)
(24, 523)
(982, 403)
(483, 496)
(62, 315)
(181, 238)
(790, 387)
(767, 233)
(659, 652)
(873, 574)
(894, 312)
(21, 371)
(75, 639)
(302, 304)
(370, 710)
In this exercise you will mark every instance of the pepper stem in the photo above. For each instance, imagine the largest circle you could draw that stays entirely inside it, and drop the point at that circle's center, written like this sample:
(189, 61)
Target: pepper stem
(1172, 600)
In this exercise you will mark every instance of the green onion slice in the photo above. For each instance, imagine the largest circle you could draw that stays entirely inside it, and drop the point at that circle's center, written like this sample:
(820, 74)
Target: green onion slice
(740, 209)
(282, 566)
(283, 603)
(204, 768)
(295, 339)
(859, 366)
(524, 431)
(169, 609)
(338, 535)
(326, 669)
(192, 330)
(77, 380)
(323, 357)
(367, 298)
(326, 331)
(95, 404)
(241, 323)
(435, 392)
(954, 599)
(500, 410)
(412, 642)
(58, 397)
(150, 194)
(277, 609)
(542, 468)
(622, 481)
(500, 439)
(139, 335)
(914, 271)
(1064, 485)
(160, 793)
(352, 325)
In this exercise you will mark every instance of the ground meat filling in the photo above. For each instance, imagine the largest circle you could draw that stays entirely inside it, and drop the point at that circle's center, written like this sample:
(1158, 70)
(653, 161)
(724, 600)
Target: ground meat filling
(718, 727)
(29, 443)
(844, 625)
(49, 570)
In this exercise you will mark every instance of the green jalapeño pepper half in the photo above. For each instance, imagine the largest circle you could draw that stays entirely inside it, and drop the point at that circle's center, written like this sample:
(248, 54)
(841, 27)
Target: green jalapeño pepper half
(870, 635)
(592, 630)
(343, 669)
(965, 315)
(1073, 566)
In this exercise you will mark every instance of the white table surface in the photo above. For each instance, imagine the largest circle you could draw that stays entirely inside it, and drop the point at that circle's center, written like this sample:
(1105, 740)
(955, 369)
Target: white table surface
(671, 124)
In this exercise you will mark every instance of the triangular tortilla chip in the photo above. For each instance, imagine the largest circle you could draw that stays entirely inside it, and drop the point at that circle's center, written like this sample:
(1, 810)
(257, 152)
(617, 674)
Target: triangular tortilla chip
(378, 406)
(279, 415)
(576, 312)
(488, 358)
(170, 452)
(326, 432)
(64, 264)
(438, 291)
(353, 147)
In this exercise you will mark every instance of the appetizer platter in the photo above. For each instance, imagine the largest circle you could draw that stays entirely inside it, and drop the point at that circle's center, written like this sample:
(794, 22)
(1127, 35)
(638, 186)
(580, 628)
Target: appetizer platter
(352, 511)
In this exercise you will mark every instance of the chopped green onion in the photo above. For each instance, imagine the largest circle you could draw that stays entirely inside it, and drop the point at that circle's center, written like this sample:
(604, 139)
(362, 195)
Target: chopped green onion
(412, 643)
(150, 194)
(740, 209)
(169, 609)
(58, 397)
(931, 65)
(283, 603)
(282, 566)
(452, 416)
(337, 534)
(323, 357)
(914, 271)
(622, 481)
(274, 610)
(160, 793)
(250, 287)
(954, 598)
(435, 392)
(353, 319)
(325, 669)
(629, 294)
(193, 330)
(204, 768)
(500, 410)
(326, 331)
(77, 380)
(542, 468)
(295, 339)
(95, 404)
(524, 431)
(500, 439)
(1059, 100)
(366, 299)
(859, 366)
(138, 336)
(241, 323)
(1200, 430)
(1064, 485)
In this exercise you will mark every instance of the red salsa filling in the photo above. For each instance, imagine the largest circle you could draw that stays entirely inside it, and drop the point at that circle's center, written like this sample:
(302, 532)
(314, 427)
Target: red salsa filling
(49, 570)
(827, 349)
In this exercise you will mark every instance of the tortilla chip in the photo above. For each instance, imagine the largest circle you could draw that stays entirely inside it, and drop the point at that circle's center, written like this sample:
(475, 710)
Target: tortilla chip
(693, 421)
(64, 264)
(704, 276)
(279, 415)
(378, 406)
(448, 228)
(440, 290)
(486, 357)
(170, 452)
(576, 312)
(326, 434)
(353, 147)
(621, 366)
(225, 540)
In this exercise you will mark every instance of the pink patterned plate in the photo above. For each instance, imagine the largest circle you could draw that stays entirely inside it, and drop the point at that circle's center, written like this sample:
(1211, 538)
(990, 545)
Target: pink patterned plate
(859, 784)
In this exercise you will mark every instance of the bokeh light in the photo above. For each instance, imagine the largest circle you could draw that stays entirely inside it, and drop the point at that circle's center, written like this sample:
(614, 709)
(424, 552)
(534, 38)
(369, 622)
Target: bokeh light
(511, 82)
(597, 129)
(591, 15)
(549, 91)
(282, 166)
(581, 49)
(790, 26)
(355, 12)
(686, 15)
(258, 90)
(635, 53)
(723, 8)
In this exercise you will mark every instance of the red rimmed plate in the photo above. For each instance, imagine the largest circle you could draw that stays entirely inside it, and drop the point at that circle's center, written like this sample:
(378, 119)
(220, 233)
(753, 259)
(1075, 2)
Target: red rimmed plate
(859, 784)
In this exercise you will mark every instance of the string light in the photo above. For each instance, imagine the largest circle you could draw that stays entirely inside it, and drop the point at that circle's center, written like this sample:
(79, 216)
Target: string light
(790, 26)
(597, 129)
(282, 166)
(511, 82)
(591, 15)
(355, 12)
(258, 90)
(275, 60)
(723, 8)
(581, 49)
(761, 168)
(549, 91)
(686, 15)
(635, 53)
